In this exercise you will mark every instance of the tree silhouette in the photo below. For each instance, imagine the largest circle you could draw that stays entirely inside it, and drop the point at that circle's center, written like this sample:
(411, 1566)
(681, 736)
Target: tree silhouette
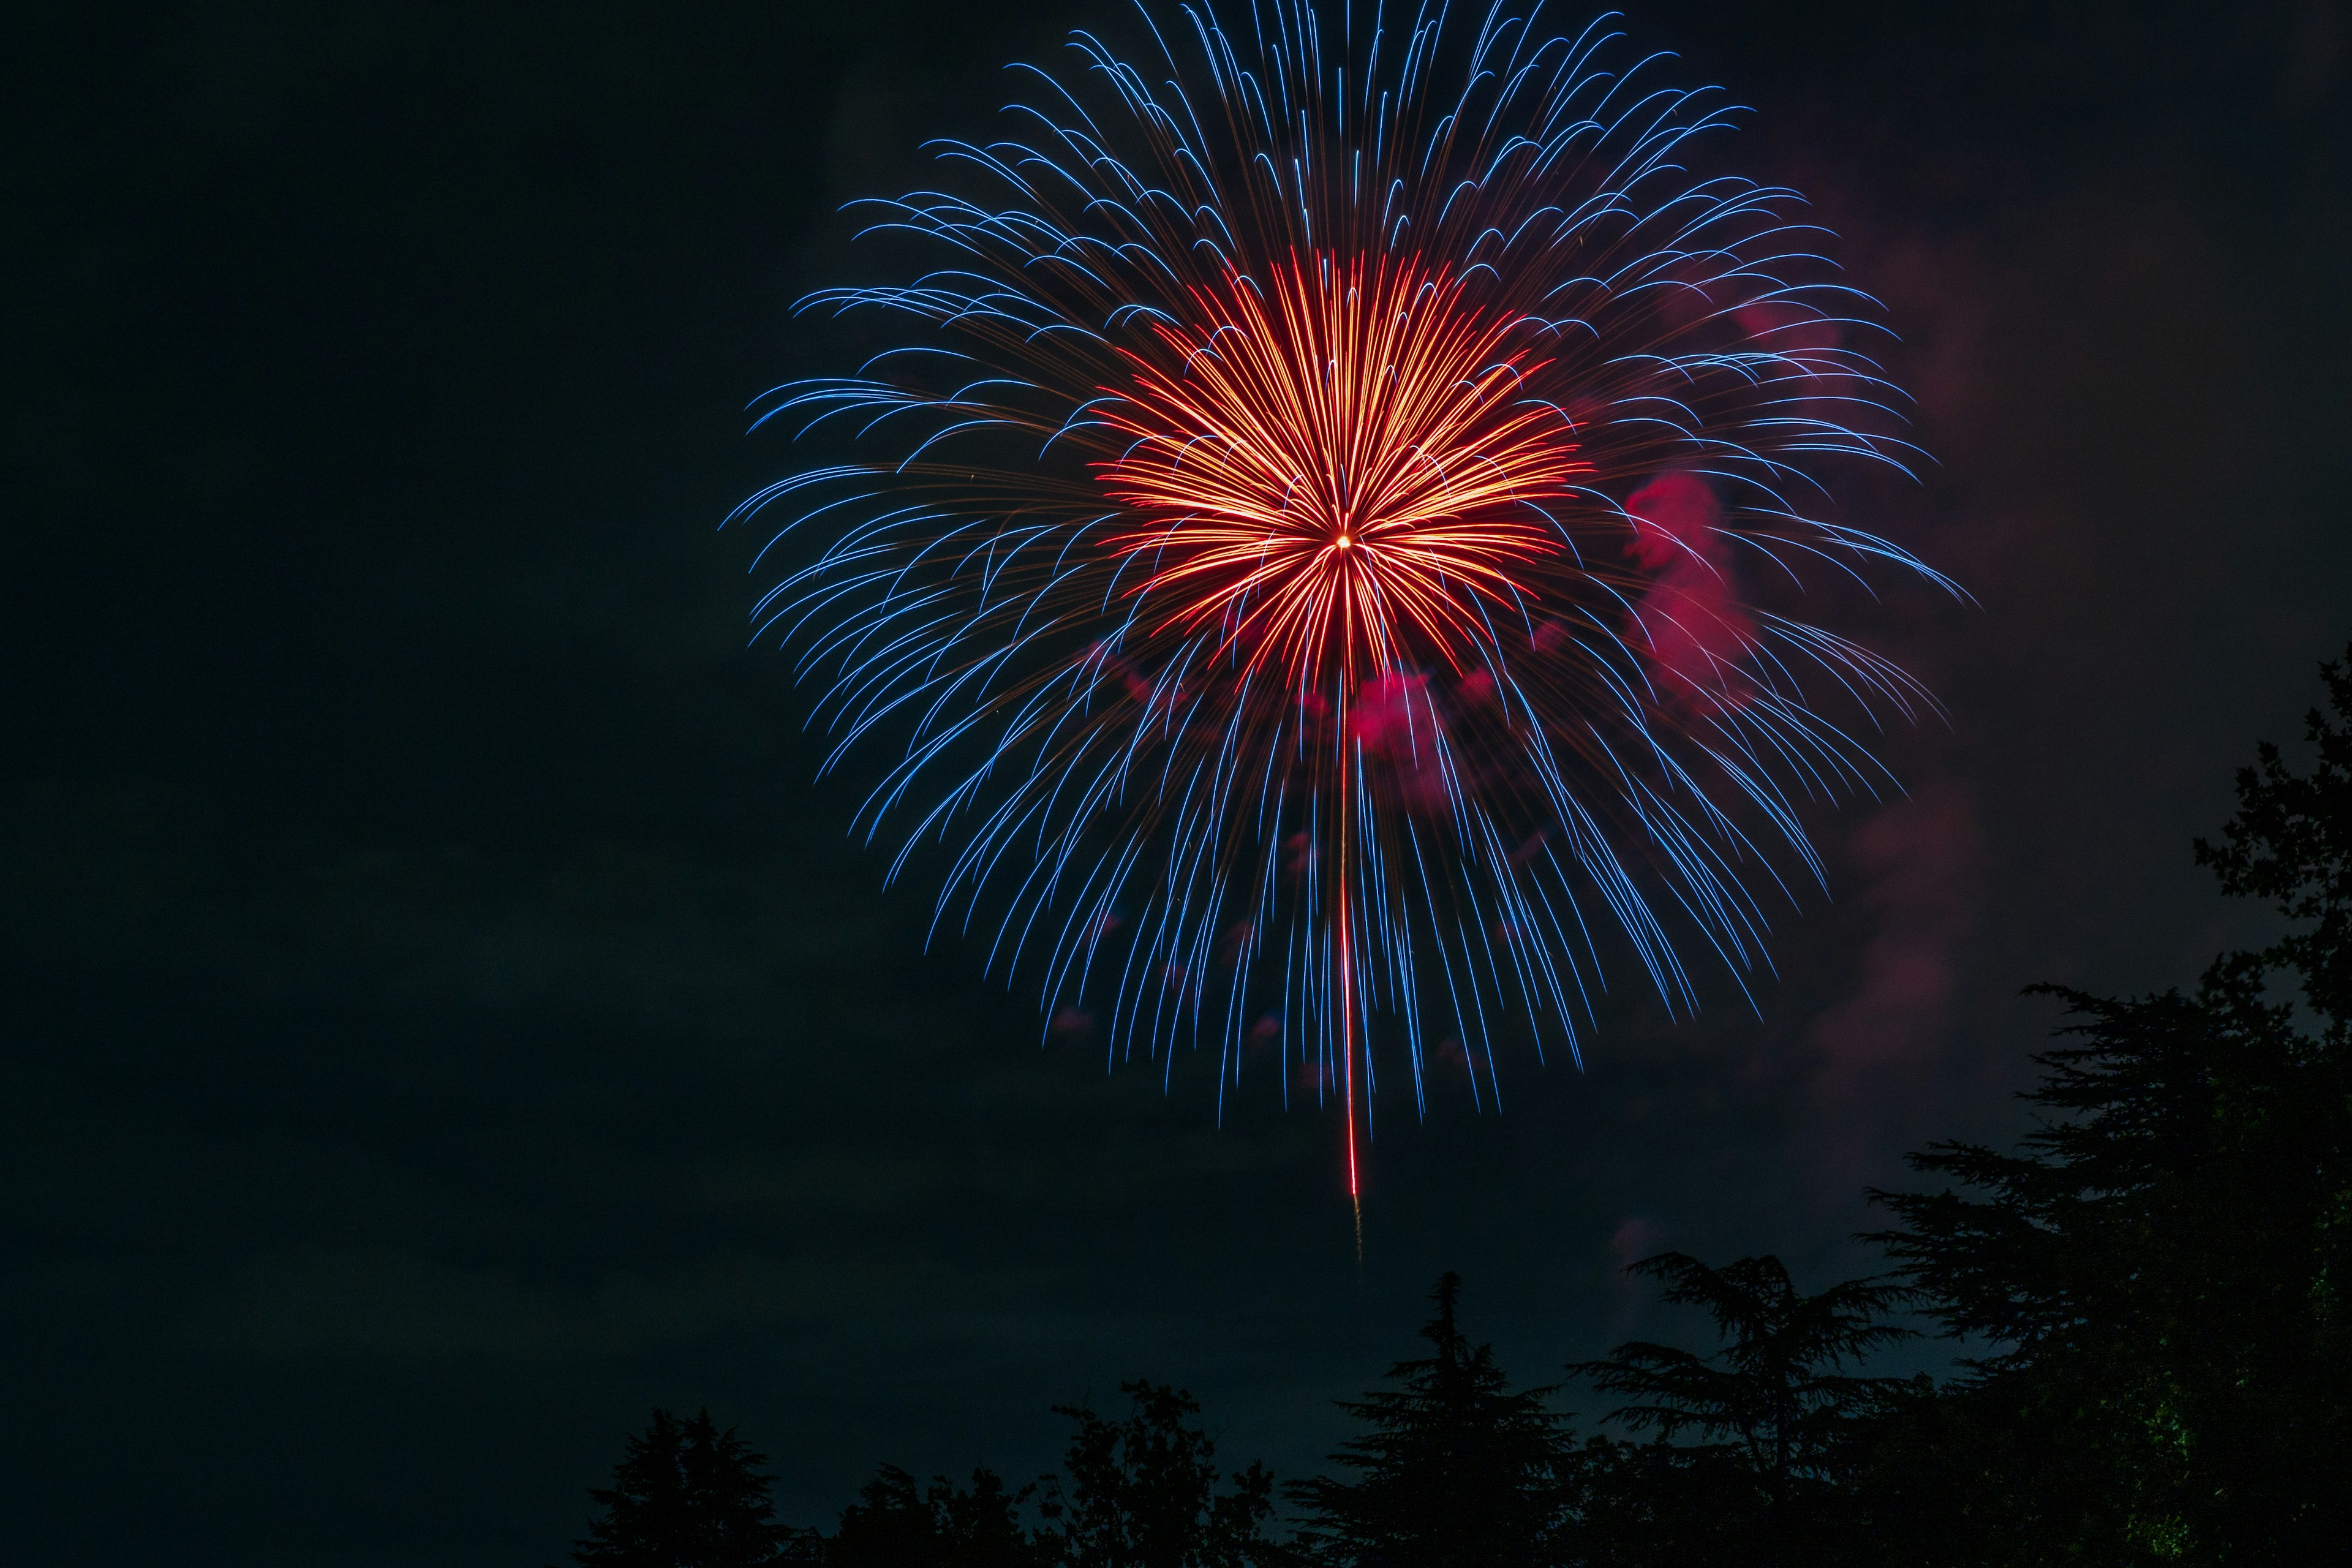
(686, 1495)
(1142, 1493)
(1456, 1469)
(2158, 1271)
(2291, 843)
(1777, 1386)
(894, 1525)
(2155, 1269)
(1661, 1505)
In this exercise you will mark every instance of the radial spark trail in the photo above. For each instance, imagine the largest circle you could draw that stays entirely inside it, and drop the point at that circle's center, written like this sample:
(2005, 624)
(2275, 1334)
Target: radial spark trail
(1323, 541)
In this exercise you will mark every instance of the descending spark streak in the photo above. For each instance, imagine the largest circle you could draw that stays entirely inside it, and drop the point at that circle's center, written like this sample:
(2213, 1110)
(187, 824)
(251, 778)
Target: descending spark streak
(1331, 543)
(1342, 927)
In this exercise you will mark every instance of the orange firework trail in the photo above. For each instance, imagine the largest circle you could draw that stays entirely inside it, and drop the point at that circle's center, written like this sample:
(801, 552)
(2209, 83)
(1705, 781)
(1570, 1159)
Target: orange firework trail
(1339, 479)
(1325, 540)
(1347, 478)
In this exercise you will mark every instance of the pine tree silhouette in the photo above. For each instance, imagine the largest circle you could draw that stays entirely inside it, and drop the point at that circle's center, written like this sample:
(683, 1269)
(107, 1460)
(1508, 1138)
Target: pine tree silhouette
(686, 1495)
(2291, 843)
(1776, 1388)
(895, 1523)
(2156, 1273)
(1457, 1471)
(1143, 1492)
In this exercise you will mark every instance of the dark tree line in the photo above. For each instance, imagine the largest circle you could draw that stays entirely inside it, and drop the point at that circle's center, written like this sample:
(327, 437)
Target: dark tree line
(2155, 1282)
(1142, 1491)
(2160, 1270)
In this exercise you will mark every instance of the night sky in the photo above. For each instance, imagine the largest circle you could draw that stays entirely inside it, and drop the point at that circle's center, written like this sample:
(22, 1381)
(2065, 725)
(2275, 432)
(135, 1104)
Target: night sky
(443, 1019)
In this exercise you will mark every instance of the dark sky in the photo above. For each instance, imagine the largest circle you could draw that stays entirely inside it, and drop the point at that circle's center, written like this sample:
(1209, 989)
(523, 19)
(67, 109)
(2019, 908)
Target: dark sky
(442, 1019)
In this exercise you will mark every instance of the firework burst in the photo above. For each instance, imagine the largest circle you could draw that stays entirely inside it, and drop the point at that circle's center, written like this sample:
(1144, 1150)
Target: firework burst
(1312, 556)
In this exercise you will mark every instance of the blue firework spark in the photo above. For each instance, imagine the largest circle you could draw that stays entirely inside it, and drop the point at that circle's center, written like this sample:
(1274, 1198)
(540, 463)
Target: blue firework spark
(1321, 559)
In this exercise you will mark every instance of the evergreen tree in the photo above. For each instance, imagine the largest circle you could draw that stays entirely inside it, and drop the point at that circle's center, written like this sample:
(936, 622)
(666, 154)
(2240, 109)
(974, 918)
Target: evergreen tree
(686, 1495)
(2155, 1275)
(1780, 1412)
(1777, 1387)
(896, 1525)
(2291, 843)
(1143, 1492)
(1661, 1505)
(2158, 1271)
(1457, 1471)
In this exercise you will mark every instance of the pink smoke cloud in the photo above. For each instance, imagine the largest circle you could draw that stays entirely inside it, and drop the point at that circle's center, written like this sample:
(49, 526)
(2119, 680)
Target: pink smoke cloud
(1298, 857)
(1809, 339)
(1389, 716)
(1918, 860)
(1392, 721)
(1674, 516)
(1692, 619)
(1781, 327)
(1636, 1236)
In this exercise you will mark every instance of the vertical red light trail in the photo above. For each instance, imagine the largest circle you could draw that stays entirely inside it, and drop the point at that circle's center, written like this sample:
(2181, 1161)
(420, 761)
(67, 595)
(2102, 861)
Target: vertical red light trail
(1341, 933)
(1341, 472)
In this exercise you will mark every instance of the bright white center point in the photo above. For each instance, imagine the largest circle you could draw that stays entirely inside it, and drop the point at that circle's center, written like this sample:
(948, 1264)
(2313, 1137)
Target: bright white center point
(1343, 541)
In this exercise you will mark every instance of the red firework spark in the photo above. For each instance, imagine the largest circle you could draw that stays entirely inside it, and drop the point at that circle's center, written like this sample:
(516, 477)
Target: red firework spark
(1341, 470)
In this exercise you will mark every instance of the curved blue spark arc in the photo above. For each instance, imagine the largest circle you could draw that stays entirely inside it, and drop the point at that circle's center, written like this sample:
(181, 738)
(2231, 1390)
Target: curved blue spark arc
(1454, 822)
